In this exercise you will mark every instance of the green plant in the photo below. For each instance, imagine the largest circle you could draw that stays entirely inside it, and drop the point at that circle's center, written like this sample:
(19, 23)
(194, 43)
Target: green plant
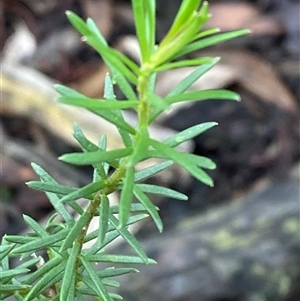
(69, 272)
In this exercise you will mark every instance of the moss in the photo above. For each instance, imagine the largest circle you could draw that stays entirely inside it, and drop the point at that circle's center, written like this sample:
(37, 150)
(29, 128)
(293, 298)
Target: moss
(291, 225)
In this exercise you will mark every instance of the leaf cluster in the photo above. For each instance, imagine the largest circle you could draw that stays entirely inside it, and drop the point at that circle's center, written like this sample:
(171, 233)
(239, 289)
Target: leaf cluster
(66, 270)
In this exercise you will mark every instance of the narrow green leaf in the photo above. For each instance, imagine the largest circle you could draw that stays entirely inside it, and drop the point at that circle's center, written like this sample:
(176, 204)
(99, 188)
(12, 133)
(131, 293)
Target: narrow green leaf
(126, 196)
(152, 83)
(68, 281)
(151, 208)
(109, 95)
(129, 238)
(113, 61)
(127, 61)
(44, 282)
(35, 226)
(51, 187)
(117, 259)
(101, 290)
(158, 105)
(180, 88)
(192, 77)
(202, 162)
(134, 207)
(210, 41)
(163, 191)
(206, 32)
(95, 157)
(86, 144)
(151, 24)
(60, 208)
(187, 8)
(116, 66)
(113, 272)
(45, 269)
(184, 161)
(95, 249)
(78, 23)
(71, 292)
(76, 230)
(41, 243)
(151, 171)
(68, 92)
(115, 119)
(140, 146)
(86, 191)
(122, 82)
(101, 170)
(4, 251)
(13, 288)
(18, 239)
(184, 63)
(115, 296)
(95, 30)
(104, 216)
(140, 26)
(189, 133)
(42, 173)
(98, 104)
(12, 273)
(53, 198)
(29, 263)
(132, 220)
(203, 95)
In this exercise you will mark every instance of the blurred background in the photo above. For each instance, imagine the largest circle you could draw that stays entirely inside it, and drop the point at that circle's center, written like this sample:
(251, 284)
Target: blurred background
(237, 241)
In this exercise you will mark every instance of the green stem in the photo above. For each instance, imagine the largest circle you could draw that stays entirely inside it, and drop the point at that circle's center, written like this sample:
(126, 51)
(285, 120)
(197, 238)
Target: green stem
(118, 175)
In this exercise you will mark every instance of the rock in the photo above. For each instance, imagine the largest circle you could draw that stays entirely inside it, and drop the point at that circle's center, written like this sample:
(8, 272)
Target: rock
(246, 249)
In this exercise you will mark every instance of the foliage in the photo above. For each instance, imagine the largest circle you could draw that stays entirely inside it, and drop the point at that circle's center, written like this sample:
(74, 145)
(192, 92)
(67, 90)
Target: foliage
(69, 271)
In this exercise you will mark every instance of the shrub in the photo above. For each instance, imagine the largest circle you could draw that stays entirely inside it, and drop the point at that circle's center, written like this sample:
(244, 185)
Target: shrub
(69, 272)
